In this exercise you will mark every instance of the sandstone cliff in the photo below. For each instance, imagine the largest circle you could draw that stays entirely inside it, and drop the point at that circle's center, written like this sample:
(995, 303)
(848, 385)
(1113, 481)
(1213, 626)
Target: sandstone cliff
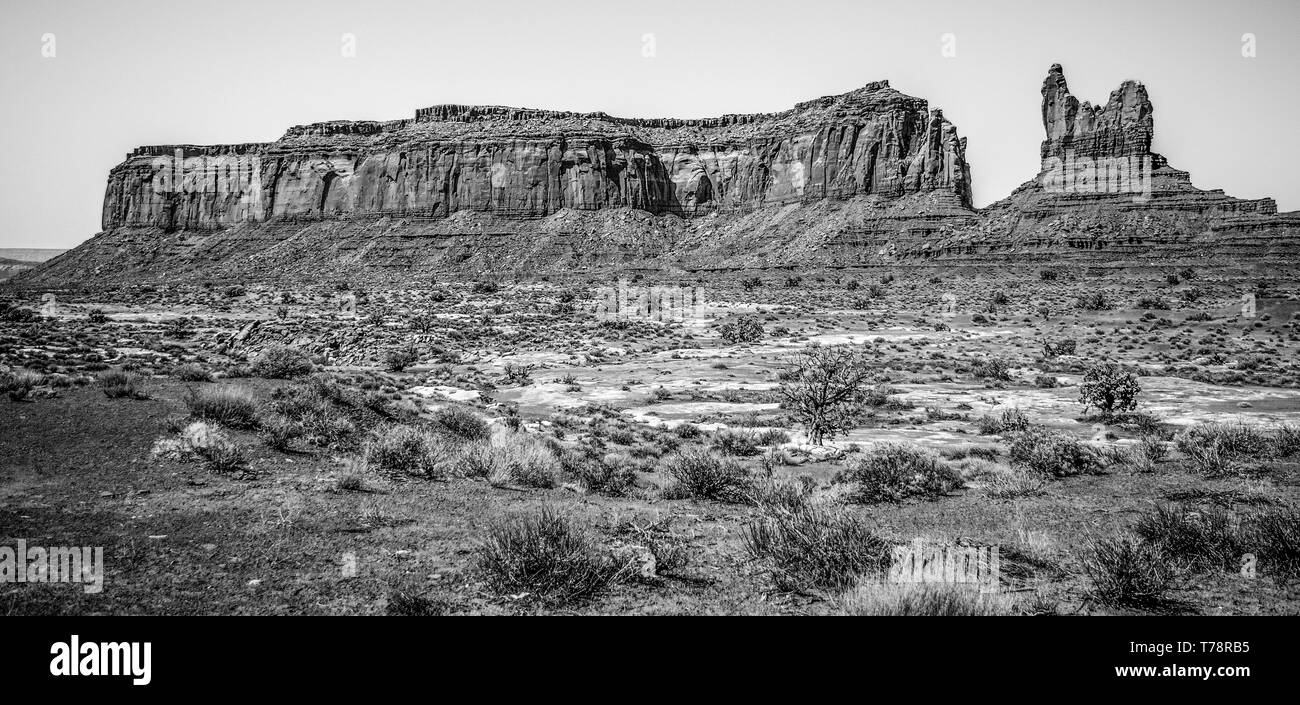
(868, 178)
(531, 163)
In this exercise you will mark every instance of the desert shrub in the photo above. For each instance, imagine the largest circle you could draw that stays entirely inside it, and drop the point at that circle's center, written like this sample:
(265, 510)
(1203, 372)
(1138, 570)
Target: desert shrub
(278, 431)
(892, 472)
(991, 368)
(825, 388)
(401, 358)
(407, 451)
(405, 604)
(206, 442)
(878, 599)
(1197, 540)
(227, 405)
(350, 482)
(772, 494)
(484, 286)
(1110, 388)
(1046, 381)
(1009, 421)
(1217, 447)
(745, 329)
(1093, 302)
(773, 437)
(815, 548)
(548, 557)
(18, 384)
(1274, 537)
(1013, 483)
(699, 474)
(1048, 275)
(613, 475)
(510, 459)
(97, 315)
(1052, 453)
(1125, 572)
(738, 443)
(118, 384)
(687, 431)
(1153, 303)
(462, 423)
(1060, 347)
(192, 372)
(281, 362)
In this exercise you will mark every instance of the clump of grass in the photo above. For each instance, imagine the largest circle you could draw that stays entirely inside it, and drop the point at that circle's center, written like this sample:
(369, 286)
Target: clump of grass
(462, 423)
(278, 431)
(699, 474)
(207, 442)
(891, 472)
(407, 451)
(510, 459)
(227, 405)
(1274, 535)
(192, 372)
(992, 369)
(1198, 540)
(18, 384)
(117, 384)
(281, 362)
(877, 599)
(1125, 572)
(815, 548)
(1013, 483)
(406, 604)
(548, 557)
(1052, 453)
(1214, 448)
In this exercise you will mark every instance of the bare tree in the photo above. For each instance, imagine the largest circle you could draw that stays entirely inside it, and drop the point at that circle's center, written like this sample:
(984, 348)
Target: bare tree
(824, 388)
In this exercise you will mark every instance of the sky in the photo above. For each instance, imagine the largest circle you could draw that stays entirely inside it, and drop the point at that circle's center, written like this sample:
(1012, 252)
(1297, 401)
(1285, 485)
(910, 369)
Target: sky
(86, 81)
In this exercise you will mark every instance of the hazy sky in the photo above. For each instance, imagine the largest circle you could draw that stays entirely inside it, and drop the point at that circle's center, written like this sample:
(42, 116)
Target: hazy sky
(138, 72)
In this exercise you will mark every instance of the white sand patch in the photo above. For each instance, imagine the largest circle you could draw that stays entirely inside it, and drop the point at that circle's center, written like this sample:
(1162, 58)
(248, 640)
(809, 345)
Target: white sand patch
(452, 393)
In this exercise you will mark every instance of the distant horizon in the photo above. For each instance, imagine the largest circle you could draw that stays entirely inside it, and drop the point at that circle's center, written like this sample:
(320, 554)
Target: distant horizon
(155, 73)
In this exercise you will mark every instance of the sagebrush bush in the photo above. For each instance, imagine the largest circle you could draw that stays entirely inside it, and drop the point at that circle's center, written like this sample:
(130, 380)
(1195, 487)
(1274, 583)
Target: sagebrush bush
(1125, 572)
(736, 442)
(400, 450)
(1051, 452)
(545, 555)
(231, 406)
(1274, 536)
(815, 548)
(1216, 447)
(991, 368)
(745, 329)
(281, 362)
(462, 423)
(699, 474)
(207, 442)
(613, 475)
(278, 431)
(1013, 483)
(1008, 421)
(891, 472)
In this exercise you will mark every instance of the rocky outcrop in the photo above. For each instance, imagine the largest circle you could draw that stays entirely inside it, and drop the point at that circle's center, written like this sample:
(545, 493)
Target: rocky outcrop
(517, 162)
(868, 178)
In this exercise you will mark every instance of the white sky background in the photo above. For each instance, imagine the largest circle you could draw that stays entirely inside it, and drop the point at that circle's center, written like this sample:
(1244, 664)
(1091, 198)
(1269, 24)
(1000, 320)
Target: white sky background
(137, 72)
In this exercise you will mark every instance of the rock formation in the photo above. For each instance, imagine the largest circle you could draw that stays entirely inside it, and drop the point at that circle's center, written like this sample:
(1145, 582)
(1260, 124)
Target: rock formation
(532, 163)
(868, 178)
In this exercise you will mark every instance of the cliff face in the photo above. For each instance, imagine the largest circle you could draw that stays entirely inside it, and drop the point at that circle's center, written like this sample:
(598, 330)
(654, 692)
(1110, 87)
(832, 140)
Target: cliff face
(867, 178)
(531, 163)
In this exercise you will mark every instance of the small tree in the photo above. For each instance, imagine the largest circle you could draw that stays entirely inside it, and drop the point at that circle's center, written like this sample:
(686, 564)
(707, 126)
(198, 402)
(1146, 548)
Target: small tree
(745, 329)
(1110, 388)
(825, 388)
